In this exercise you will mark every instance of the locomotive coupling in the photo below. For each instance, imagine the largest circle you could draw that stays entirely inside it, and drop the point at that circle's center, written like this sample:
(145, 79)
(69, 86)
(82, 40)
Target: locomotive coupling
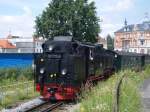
(52, 91)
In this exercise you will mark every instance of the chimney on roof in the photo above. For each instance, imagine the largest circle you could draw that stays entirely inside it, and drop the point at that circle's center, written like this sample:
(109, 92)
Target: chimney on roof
(125, 24)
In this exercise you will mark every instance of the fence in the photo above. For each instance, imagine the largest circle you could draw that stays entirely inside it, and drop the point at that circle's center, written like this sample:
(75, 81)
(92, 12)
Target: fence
(19, 60)
(13, 93)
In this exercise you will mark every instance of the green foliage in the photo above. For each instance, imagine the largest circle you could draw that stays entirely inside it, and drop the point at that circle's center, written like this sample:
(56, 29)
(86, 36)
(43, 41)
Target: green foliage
(17, 92)
(75, 18)
(16, 74)
(12, 86)
(110, 42)
(101, 98)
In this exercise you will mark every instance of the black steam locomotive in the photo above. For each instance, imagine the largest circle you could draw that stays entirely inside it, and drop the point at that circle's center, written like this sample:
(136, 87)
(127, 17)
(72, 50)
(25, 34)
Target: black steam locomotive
(65, 65)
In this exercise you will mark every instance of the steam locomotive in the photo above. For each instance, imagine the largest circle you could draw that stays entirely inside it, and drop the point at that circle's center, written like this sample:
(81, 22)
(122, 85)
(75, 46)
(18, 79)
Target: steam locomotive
(65, 65)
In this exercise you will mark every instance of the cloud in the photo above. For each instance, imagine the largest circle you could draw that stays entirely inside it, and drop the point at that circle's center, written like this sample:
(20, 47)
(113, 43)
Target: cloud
(109, 25)
(21, 25)
(27, 10)
(118, 6)
(109, 28)
(110, 12)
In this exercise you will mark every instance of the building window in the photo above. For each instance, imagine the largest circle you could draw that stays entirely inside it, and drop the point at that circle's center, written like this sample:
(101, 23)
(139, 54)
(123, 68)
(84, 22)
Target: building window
(135, 50)
(19, 50)
(142, 51)
(142, 34)
(142, 41)
(135, 42)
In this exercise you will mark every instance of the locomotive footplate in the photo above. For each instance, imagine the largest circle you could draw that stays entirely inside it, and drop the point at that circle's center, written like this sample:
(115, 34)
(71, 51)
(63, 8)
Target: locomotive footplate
(56, 92)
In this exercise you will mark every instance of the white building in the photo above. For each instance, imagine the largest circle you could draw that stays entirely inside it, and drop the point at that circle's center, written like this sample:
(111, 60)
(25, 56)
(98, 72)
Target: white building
(38, 45)
(25, 44)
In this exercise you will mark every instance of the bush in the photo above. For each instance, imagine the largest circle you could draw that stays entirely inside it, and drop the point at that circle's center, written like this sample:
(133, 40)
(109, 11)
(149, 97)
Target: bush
(11, 80)
(101, 98)
(16, 74)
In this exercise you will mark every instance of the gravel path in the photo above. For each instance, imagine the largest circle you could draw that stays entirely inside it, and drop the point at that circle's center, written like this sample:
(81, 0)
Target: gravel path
(145, 93)
(71, 107)
(24, 106)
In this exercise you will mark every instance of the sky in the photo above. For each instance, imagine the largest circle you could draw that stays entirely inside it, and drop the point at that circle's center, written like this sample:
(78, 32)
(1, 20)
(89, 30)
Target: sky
(17, 16)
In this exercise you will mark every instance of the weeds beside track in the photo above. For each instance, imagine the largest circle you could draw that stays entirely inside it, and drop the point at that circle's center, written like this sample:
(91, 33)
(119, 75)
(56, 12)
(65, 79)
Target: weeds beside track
(101, 97)
(16, 92)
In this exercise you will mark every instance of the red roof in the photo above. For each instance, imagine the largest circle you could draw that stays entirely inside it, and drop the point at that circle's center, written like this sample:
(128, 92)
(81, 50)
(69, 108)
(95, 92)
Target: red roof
(6, 44)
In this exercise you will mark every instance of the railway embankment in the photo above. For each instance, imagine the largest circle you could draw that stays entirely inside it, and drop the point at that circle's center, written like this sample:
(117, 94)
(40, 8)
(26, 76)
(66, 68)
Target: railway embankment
(102, 98)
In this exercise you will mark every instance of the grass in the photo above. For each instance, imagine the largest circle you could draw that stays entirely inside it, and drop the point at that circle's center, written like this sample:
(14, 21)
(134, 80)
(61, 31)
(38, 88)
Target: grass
(16, 85)
(15, 74)
(16, 93)
(101, 98)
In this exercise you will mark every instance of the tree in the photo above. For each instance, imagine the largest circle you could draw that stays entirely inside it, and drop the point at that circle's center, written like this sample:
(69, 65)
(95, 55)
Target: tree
(75, 18)
(110, 42)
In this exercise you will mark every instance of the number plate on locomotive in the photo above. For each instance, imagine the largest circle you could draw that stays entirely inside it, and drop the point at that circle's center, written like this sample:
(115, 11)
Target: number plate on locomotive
(54, 56)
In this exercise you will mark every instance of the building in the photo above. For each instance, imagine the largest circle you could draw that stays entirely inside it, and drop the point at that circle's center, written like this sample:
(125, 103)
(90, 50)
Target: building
(38, 45)
(102, 41)
(133, 38)
(25, 47)
(16, 39)
(16, 44)
(6, 46)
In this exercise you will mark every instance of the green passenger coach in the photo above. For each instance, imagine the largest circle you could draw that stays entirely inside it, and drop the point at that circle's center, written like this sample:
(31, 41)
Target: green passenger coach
(126, 60)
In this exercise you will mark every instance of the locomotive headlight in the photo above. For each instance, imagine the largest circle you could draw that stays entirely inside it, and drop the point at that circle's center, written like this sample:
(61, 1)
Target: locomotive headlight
(50, 48)
(91, 58)
(55, 75)
(51, 76)
(64, 72)
(42, 59)
(116, 56)
(42, 70)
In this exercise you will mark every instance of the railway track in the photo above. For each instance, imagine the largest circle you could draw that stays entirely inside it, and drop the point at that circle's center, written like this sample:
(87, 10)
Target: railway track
(117, 95)
(45, 107)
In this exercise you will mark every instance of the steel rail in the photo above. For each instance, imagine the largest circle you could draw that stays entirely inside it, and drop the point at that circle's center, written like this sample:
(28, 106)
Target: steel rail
(35, 107)
(52, 107)
(117, 94)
